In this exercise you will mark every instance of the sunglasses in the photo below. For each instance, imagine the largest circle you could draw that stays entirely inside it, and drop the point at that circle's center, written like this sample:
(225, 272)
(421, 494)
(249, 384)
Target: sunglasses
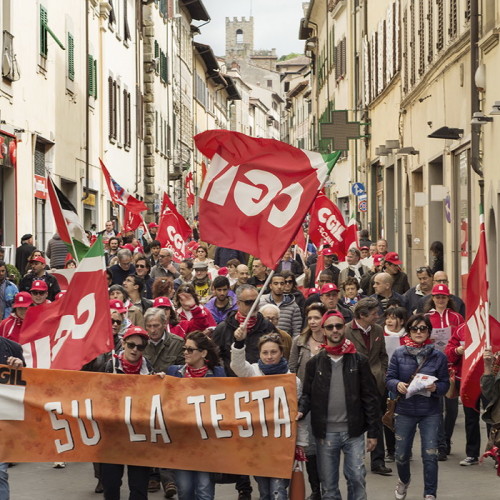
(336, 326)
(248, 302)
(289, 282)
(424, 269)
(420, 328)
(116, 322)
(131, 345)
(38, 292)
(140, 266)
(190, 350)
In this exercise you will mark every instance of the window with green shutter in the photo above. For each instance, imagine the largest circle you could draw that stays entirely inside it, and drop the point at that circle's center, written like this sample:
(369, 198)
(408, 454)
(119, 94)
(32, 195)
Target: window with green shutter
(71, 57)
(92, 75)
(43, 31)
(95, 78)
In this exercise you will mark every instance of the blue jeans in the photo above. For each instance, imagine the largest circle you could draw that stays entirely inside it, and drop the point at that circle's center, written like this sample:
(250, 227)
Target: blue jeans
(328, 453)
(272, 488)
(194, 485)
(406, 425)
(4, 481)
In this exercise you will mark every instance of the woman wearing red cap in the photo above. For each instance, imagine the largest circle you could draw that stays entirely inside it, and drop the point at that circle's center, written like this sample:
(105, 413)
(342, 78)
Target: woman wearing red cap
(10, 327)
(129, 361)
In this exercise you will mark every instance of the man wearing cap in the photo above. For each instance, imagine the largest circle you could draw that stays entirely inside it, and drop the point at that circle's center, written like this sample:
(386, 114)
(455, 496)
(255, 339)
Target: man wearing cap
(290, 313)
(165, 267)
(355, 268)
(201, 281)
(368, 337)
(423, 288)
(10, 327)
(38, 273)
(441, 278)
(224, 300)
(392, 266)
(340, 392)
(329, 296)
(7, 292)
(328, 265)
(23, 252)
(11, 353)
(39, 293)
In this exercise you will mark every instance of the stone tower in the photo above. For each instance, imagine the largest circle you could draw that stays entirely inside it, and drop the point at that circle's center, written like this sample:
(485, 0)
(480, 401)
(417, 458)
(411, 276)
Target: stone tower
(239, 38)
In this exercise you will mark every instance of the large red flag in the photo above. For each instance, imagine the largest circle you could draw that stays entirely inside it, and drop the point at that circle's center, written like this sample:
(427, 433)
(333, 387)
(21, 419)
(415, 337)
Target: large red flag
(173, 230)
(76, 328)
(327, 226)
(189, 185)
(476, 330)
(257, 192)
(120, 196)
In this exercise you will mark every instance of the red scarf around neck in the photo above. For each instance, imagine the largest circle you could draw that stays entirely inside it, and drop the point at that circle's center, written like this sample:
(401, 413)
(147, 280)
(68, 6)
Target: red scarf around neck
(251, 321)
(130, 368)
(195, 372)
(346, 347)
(410, 343)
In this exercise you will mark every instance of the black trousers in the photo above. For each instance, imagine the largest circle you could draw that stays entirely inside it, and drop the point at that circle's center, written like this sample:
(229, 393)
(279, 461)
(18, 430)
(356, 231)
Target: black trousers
(138, 479)
(472, 429)
(377, 456)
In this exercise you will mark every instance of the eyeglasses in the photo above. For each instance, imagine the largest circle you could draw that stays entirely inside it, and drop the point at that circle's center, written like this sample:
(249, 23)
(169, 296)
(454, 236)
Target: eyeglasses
(424, 269)
(116, 322)
(248, 302)
(190, 350)
(336, 326)
(38, 292)
(420, 328)
(289, 282)
(131, 345)
(140, 266)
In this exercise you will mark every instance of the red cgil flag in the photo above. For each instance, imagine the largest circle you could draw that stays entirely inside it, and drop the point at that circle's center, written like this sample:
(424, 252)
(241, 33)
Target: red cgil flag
(189, 185)
(257, 192)
(173, 229)
(120, 196)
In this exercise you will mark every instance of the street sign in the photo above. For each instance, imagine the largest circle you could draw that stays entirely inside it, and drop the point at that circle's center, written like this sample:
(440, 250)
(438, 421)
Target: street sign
(363, 206)
(358, 189)
(363, 197)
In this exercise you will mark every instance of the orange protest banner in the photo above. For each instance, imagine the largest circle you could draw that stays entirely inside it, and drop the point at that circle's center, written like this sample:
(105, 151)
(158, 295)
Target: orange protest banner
(233, 425)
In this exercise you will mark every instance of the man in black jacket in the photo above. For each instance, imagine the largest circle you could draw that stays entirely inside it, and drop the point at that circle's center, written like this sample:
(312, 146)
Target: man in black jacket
(11, 353)
(340, 392)
(38, 273)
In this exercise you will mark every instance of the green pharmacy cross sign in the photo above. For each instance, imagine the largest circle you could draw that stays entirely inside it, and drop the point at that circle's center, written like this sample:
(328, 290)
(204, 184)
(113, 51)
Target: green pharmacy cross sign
(340, 130)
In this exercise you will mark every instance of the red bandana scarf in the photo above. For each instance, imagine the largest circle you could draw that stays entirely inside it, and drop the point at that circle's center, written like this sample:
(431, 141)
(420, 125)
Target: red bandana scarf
(251, 321)
(130, 368)
(347, 347)
(410, 343)
(195, 372)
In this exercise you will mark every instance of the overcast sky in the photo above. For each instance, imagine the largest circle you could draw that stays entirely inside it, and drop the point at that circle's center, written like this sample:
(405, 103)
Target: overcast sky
(276, 24)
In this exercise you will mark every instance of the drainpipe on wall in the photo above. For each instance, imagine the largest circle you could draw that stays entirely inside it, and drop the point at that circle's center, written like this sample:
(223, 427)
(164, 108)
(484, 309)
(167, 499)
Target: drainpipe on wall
(87, 103)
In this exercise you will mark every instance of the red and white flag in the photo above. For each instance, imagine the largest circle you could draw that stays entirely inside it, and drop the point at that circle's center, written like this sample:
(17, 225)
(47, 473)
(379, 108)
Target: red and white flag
(477, 324)
(174, 230)
(120, 196)
(189, 185)
(75, 329)
(257, 192)
(327, 226)
(132, 221)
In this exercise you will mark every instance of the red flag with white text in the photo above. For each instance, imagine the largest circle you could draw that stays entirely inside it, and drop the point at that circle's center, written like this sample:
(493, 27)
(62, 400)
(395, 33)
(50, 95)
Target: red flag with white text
(119, 195)
(476, 331)
(257, 192)
(189, 185)
(75, 329)
(327, 226)
(173, 230)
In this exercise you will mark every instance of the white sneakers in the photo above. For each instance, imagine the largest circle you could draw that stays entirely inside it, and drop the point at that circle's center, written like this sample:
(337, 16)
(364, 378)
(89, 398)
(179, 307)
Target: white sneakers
(401, 490)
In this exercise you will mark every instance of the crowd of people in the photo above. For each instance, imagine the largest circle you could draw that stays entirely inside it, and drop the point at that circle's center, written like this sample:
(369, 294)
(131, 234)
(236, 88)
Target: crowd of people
(355, 333)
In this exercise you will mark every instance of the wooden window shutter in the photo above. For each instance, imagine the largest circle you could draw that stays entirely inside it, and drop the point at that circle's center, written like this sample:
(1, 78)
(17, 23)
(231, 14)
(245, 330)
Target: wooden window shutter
(343, 56)
(112, 15)
(421, 38)
(44, 48)
(405, 52)
(90, 70)
(110, 107)
(126, 29)
(95, 78)
(71, 57)
(440, 25)
(430, 31)
(453, 29)
(412, 44)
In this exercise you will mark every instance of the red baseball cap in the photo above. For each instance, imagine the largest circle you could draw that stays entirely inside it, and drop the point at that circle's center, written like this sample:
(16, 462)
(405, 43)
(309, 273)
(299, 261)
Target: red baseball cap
(393, 258)
(39, 285)
(162, 302)
(153, 224)
(365, 248)
(22, 299)
(312, 290)
(377, 259)
(328, 287)
(329, 251)
(223, 271)
(328, 314)
(38, 258)
(440, 290)
(117, 305)
(135, 330)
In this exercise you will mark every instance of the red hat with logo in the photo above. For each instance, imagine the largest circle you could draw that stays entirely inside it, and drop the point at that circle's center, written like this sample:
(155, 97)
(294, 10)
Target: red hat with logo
(329, 314)
(365, 248)
(328, 287)
(39, 285)
(22, 299)
(312, 290)
(135, 330)
(38, 258)
(117, 305)
(440, 290)
(377, 259)
(151, 225)
(393, 258)
(162, 302)
(329, 251)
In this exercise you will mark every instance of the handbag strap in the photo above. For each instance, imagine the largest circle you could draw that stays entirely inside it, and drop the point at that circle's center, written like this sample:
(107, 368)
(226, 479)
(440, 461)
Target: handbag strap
(413, 376)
